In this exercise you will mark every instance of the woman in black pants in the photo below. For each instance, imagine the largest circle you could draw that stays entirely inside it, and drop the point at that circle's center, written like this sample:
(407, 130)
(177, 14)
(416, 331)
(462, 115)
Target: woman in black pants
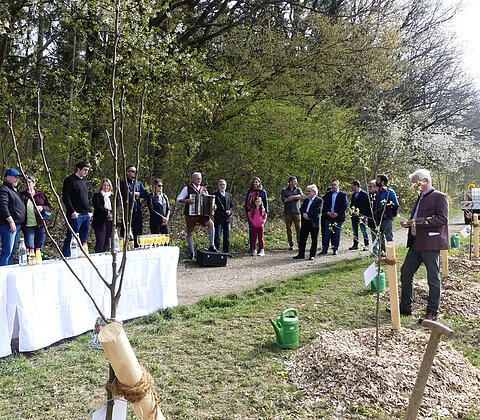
(159, 208)
(102, 215)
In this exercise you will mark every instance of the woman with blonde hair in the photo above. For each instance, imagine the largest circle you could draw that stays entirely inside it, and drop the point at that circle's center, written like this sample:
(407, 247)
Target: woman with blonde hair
(102, 215)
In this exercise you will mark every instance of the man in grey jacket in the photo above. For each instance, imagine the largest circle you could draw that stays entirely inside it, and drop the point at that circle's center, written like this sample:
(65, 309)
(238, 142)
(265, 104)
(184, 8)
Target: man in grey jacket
(427, 235)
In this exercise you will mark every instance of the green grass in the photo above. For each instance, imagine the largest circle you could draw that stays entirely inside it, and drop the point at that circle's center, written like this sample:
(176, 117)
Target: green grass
(216, 359)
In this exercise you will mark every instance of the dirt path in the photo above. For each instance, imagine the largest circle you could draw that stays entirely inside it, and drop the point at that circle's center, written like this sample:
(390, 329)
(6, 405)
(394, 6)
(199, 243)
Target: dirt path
(247, 272)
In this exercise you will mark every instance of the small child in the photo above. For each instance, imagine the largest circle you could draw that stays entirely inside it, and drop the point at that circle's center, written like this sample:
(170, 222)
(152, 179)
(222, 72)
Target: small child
(257, 218)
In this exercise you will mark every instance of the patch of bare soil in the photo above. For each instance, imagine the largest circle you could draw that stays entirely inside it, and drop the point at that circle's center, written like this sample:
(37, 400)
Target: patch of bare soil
(340, 368)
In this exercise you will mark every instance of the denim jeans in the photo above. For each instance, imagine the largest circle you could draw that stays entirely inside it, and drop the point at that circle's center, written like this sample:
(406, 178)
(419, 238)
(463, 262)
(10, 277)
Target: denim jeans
(80, 225)
(356, 222)
(9, 244)
(34, 237)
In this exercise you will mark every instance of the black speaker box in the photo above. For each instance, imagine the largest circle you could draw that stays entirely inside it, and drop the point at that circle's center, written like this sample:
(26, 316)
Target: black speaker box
(211, 259)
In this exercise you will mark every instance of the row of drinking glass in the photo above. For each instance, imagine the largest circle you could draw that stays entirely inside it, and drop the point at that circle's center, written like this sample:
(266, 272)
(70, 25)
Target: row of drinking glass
(153, 240)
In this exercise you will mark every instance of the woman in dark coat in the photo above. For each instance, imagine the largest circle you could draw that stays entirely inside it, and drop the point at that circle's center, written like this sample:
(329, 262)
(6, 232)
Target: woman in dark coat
(102, 215)
(159, 208)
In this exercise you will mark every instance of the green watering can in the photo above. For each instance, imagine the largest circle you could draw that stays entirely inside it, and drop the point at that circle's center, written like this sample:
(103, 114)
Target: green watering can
(455, 241)
(286, 329)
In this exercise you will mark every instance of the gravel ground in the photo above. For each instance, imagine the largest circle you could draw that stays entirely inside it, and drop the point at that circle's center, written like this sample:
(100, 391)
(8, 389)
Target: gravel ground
(246, 272)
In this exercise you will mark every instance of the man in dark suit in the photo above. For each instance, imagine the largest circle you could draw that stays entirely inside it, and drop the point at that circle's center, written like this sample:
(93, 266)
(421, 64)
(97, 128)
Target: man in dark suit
(360, 209)
(223, 211)
(335, 204)
(310, 210)
(427, 235)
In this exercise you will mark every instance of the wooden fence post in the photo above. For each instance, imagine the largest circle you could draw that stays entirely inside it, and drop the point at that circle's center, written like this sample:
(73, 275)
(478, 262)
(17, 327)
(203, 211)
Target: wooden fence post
(393, 284)
(444, 259)
(475, 235)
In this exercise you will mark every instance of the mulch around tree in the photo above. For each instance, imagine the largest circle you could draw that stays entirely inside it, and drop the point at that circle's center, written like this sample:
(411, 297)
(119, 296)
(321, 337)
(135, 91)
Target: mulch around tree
(340, 367)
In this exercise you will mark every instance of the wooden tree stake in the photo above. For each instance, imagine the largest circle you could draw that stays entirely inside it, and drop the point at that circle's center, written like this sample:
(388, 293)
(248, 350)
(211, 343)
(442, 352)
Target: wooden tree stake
(444, 259)
(393, 285)
(128, 371)
(475, 235)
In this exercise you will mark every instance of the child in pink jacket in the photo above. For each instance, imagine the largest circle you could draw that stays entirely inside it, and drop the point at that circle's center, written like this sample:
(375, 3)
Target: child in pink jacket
(257, 218)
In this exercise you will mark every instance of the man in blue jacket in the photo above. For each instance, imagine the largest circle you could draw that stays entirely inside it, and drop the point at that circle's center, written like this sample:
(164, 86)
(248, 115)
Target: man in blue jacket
(387, 208)
(335, 204)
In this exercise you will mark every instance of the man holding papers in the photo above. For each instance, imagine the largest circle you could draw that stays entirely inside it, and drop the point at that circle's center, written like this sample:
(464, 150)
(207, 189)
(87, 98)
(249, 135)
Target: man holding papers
(427, 235)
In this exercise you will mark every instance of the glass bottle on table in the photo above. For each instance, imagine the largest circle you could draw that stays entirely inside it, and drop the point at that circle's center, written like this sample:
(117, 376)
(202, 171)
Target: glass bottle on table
(131, 243)
(22, 253)
(31, 257)
(116, 242)
(73, 248)
(38, 255)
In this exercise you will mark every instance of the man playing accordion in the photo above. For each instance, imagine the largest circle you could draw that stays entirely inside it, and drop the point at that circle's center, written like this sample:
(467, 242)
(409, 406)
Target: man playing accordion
(198, 209)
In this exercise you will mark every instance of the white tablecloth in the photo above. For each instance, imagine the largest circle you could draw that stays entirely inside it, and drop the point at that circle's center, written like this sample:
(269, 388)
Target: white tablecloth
(51, 305)
(5, 327)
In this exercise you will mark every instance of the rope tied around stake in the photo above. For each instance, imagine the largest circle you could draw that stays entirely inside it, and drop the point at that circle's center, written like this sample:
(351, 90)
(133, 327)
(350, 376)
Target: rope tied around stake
(388, 261)
(136, 393)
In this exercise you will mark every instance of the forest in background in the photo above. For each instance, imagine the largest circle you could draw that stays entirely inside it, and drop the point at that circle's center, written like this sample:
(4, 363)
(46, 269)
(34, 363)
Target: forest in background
(319, 89)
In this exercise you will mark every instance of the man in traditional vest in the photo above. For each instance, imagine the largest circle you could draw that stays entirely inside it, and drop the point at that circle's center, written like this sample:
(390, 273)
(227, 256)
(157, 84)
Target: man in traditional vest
(195, 187)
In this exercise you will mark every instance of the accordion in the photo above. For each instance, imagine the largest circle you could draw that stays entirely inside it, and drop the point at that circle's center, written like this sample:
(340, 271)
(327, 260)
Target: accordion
(202, 205)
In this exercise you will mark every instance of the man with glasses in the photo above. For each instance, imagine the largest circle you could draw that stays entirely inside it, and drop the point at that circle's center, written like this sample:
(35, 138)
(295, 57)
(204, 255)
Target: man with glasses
(75, 198)
(427, 236)
(195, 187)
(335, 203)
(12, 215)
(311, 209)
(135, 190)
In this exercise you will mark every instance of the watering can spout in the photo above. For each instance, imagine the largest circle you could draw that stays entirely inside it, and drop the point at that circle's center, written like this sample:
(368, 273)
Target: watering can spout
(278, 329)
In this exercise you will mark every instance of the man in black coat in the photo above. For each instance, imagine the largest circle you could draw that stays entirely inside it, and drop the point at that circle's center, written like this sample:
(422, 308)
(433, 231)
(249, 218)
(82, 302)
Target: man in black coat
(360, 208)
(310, 210)
(12, 215)
(335, 204)
(223, 211)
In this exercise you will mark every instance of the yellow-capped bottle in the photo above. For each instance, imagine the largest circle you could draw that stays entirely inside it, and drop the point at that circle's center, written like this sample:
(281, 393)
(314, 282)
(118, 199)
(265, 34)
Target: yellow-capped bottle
(38, 255)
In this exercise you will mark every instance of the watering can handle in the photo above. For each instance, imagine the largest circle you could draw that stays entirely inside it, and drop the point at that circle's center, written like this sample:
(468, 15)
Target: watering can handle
(286, 311)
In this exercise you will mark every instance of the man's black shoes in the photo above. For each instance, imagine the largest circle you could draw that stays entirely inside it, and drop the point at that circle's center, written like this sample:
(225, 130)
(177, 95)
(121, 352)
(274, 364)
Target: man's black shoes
(429, 316)
(298, 257)
(353, 248)
(212, 248)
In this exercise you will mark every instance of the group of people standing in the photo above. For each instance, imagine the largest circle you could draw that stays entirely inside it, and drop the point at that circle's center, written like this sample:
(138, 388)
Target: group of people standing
(21, 211)
(75, 198)
(372, 211)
